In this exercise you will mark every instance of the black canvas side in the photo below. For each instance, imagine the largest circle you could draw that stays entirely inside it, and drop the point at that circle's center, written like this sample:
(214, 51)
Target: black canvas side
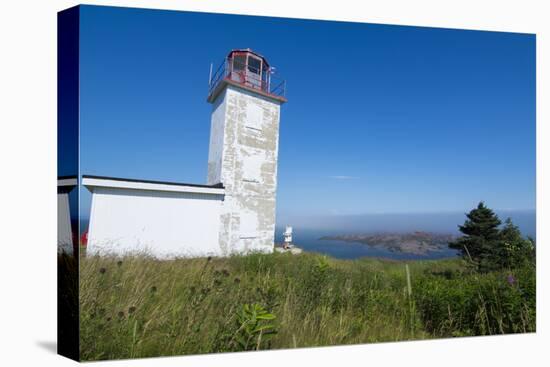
(68, 35)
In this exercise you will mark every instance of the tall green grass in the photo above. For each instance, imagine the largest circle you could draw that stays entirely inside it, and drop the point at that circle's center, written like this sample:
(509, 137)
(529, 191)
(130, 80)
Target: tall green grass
(141, 307)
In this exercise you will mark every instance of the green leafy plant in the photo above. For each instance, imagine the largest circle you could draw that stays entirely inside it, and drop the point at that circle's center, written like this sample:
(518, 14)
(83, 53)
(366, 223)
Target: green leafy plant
(254, 327)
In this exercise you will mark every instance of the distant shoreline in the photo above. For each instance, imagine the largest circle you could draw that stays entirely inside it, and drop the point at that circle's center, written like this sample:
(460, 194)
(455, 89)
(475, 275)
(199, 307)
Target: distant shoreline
(415, 243)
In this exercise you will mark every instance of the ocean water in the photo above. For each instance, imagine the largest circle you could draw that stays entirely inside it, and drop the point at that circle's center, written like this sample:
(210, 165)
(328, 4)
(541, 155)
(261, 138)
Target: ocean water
(308, 230)
(309, 241)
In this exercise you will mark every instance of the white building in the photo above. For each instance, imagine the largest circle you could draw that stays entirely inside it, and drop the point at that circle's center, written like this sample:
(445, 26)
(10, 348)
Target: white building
(235, 211)
(287, 236)
(64, 229)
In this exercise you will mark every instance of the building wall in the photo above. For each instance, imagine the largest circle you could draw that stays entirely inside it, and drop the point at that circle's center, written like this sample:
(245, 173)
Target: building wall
(64, 231)
(243, 155)
(161, 223)
(216, 141)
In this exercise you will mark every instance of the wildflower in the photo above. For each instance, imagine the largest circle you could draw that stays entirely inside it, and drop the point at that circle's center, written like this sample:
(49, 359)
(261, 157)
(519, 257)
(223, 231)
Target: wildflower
(120, 314)
(511, 280)
(225, 272)
(119, 262)
(153, 289)
(102, 270)
(237, 280)
(208, 258)
(217, 282)
(192, 290)
(205, 290)
(108, 319)
(131, 310)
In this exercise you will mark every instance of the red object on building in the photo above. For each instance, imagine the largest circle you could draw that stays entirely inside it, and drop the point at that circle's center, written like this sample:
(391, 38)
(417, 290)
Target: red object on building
(248, 69)
(84, 238)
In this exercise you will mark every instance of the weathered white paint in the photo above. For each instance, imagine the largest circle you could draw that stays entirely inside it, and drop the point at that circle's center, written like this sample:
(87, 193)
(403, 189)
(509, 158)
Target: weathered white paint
(243, 156)
(171, 221)
(64, 231)
(217, 129)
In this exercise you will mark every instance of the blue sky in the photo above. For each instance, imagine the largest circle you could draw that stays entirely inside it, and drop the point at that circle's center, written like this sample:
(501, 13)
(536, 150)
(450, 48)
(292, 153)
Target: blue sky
(379, 119)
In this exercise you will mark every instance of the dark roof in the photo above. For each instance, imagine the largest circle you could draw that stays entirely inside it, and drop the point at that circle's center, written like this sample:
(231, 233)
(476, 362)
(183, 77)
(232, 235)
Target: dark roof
(216, 186)
(65, 189)
(250, 51)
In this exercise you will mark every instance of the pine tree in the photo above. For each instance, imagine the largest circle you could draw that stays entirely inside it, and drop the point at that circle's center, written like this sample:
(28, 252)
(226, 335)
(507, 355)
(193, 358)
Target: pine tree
(513, 249)
(481, 237)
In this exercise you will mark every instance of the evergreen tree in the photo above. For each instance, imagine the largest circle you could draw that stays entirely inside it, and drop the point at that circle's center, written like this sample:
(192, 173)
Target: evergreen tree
(513, 249)
(481, 237)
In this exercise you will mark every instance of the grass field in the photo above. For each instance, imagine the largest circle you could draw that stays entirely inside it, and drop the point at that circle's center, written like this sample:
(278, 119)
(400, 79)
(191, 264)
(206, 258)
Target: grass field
(142, 307)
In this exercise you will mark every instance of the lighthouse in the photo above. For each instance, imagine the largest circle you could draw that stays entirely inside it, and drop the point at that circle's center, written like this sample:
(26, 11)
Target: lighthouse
(246, 100)
(234, 212)
(287, 236)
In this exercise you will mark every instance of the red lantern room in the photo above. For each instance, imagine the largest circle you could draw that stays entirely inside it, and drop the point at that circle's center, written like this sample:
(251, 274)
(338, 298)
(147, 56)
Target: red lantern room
(249, 68)
(246, 68)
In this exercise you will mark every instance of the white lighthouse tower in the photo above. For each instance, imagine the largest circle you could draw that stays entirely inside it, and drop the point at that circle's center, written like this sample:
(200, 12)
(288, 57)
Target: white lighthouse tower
(287, 237)
(246, 100)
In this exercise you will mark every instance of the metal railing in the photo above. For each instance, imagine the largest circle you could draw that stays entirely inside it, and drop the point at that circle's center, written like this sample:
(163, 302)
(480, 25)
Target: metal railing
(242, 73)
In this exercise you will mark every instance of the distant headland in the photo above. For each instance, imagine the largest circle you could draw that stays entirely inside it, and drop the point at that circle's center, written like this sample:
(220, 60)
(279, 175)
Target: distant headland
(416, 243)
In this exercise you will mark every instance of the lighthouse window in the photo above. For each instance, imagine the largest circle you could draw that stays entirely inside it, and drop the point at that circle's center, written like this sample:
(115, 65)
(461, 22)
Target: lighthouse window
(254, 65)
(254, 116)
(238, 62)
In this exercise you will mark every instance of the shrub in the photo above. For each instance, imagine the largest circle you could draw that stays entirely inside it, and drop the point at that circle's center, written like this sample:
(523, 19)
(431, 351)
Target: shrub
(478, 304)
